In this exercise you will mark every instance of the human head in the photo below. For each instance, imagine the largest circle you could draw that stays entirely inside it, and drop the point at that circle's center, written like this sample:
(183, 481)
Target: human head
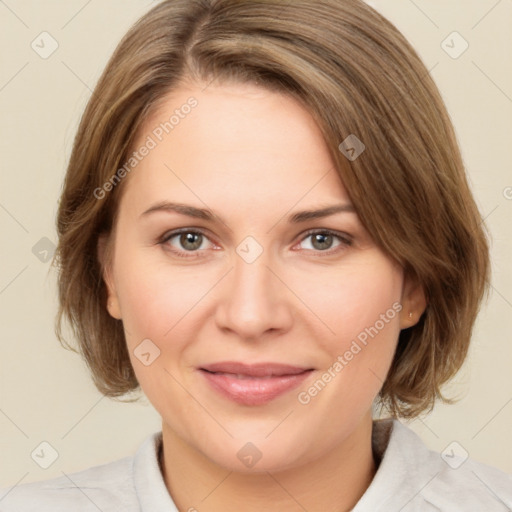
(408, 186)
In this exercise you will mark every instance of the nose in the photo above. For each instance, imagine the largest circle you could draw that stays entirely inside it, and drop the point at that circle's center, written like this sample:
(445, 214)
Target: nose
(254, 300)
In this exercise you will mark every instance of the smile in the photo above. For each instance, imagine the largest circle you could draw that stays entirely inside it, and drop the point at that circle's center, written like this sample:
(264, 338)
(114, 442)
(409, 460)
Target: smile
(253, 384)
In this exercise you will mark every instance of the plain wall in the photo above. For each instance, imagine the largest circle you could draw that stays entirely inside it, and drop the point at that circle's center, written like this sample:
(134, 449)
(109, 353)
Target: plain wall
(46, 393)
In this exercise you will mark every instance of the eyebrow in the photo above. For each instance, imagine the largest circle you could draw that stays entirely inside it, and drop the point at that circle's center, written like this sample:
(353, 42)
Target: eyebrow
(206, 214)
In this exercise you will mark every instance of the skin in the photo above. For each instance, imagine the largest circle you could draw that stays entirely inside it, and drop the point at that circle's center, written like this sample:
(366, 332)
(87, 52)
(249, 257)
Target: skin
(253, 157)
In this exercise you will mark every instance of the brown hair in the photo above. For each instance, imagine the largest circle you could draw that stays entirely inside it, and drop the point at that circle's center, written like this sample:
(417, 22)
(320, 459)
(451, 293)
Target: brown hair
(356, 74)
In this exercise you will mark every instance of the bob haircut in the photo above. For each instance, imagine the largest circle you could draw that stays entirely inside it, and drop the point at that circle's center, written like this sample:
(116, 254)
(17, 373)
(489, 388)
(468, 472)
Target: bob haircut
(356, 74)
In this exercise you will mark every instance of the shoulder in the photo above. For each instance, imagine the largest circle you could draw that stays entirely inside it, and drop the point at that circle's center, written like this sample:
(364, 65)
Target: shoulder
(468, 484)
(413, 477)
(105, 487)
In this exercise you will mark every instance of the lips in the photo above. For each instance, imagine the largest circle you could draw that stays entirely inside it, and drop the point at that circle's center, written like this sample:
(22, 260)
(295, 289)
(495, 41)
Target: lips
(253, 384)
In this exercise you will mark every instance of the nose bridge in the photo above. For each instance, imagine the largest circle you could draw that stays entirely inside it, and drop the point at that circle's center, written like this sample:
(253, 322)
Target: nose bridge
(251, 277)
(254, 301)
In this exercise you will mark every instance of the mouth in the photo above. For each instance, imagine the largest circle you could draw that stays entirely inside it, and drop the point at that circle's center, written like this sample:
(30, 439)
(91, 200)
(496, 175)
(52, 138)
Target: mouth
(253, 384)
(260, 370)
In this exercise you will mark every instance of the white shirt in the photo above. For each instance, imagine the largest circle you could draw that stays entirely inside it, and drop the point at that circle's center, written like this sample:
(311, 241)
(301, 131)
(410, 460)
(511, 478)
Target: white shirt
(410, 478)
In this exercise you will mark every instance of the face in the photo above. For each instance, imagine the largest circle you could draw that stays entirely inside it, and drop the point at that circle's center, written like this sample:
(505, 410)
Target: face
(252, 282)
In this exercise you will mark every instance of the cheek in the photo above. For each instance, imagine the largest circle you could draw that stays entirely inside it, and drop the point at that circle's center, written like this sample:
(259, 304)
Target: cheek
(362, 308)
(351, 300)
(153, 298)
(155, 304)
(368, 327)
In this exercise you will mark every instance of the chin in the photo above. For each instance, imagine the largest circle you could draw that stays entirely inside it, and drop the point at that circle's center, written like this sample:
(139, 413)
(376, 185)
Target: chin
(258, 456)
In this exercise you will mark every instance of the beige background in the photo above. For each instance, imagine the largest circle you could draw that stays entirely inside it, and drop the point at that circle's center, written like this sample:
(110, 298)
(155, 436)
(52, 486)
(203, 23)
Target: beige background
(45, 391)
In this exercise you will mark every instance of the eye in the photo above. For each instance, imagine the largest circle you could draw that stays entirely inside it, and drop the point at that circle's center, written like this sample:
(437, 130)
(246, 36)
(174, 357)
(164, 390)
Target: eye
(190, 242)
(187, 241)
(322, 240)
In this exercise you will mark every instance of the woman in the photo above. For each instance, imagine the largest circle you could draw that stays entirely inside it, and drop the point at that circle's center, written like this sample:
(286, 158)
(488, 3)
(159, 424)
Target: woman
(266, 225)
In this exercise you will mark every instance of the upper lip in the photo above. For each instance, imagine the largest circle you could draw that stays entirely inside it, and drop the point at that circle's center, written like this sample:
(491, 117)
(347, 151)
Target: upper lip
(254, 370)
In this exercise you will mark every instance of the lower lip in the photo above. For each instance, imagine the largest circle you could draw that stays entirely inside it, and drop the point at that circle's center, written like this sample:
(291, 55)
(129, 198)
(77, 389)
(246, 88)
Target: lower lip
(253, 390)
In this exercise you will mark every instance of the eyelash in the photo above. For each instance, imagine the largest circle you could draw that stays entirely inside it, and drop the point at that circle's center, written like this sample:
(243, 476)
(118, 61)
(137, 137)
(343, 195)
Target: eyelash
(345, 240)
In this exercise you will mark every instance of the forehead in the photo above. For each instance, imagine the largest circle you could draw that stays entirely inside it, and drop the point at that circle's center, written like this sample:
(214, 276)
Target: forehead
(231, 145)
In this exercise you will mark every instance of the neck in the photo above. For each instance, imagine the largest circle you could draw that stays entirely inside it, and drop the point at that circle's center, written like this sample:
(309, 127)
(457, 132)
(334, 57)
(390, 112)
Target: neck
(332, 483)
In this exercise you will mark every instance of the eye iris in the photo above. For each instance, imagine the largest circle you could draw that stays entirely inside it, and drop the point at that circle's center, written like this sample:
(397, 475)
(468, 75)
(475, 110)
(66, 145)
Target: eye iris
(194, 238)
(322, 238)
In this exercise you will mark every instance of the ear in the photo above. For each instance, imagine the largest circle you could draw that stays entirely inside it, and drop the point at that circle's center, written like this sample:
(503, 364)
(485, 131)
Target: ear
(413, 301)
(104, 257)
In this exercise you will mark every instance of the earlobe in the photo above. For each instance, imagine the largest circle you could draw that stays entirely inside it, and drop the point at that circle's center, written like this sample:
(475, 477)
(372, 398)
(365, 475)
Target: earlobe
(413, 301)
(105, 260)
